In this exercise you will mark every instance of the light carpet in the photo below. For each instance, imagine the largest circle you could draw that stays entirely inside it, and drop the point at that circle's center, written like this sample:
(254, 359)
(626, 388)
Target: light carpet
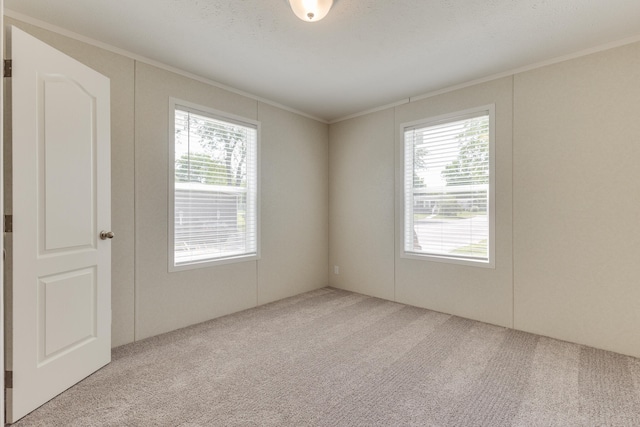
(336, 358)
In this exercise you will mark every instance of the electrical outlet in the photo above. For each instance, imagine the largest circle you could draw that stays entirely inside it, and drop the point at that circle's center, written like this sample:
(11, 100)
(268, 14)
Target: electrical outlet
(336, 270)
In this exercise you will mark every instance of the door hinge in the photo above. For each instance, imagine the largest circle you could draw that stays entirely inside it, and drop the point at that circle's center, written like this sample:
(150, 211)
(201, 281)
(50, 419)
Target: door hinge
(8, 379)
(8, 67)
(8, 223)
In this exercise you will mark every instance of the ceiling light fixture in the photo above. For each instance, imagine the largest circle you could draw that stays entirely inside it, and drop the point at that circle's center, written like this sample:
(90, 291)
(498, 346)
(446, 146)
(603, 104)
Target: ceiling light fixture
(311, 10)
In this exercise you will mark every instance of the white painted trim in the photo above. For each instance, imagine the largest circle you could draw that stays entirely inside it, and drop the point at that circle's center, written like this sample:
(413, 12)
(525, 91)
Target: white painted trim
(530, 67)
(443, 118)
(2, 398)
(447, 260)
(53, 28)
(497, 76)
(220, 115)
(372, 110)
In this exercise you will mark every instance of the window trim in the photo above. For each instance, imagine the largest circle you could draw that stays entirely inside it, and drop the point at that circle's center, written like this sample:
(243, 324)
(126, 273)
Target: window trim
(440, 119)
(218, 115)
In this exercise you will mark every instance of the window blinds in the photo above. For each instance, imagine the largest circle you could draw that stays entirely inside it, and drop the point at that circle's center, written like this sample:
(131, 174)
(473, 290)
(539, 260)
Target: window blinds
(215, 188)
(447, 188)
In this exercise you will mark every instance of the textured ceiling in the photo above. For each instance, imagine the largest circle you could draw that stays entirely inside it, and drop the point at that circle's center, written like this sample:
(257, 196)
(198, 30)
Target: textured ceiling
(364, 54)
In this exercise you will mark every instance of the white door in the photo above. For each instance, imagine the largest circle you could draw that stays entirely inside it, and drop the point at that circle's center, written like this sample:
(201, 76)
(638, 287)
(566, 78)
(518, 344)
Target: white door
(61, 306)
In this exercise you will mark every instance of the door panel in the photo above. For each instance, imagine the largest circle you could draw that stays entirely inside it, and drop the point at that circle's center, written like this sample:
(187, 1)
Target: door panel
(65, 327)
(61, 282)
(68, 163)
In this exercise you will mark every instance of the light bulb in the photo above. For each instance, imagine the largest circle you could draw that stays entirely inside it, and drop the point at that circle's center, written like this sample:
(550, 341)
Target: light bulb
(311, 10)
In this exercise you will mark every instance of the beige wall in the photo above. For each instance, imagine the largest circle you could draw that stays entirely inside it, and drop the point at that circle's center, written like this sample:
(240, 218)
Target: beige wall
(365, 162)
(577, 200)
(475, 292)
(167, 301)
(293, 199)
(146, 298)
(567, 207)
(361, 204)
(294, 204)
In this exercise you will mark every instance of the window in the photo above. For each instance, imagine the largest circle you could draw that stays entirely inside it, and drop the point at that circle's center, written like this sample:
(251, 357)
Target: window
(213, 188)
(448, 188)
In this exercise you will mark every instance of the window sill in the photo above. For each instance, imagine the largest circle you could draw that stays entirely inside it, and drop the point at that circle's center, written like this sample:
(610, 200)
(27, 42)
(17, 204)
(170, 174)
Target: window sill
(212, 263)
(448, 260)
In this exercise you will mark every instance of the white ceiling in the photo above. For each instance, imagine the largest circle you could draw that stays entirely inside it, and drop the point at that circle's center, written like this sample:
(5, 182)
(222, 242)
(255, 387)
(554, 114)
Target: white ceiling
(364, 54)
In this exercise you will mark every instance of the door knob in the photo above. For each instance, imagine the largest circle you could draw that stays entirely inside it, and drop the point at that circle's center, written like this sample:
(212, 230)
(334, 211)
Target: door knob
(104, 235)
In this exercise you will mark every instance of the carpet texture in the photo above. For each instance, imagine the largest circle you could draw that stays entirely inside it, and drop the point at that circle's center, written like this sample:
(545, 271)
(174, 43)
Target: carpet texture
(335, 358)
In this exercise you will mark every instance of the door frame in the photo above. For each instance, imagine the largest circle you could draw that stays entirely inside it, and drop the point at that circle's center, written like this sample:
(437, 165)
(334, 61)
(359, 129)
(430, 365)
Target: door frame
(2, 398)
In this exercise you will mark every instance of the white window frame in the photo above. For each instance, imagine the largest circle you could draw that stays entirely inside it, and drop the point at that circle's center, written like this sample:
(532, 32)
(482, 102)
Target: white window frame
(491, 244)
(226, 117)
